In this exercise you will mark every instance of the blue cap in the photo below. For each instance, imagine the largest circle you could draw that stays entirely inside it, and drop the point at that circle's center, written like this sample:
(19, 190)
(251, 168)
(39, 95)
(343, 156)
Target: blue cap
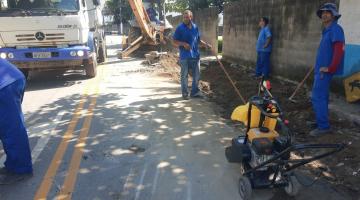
(331, 7)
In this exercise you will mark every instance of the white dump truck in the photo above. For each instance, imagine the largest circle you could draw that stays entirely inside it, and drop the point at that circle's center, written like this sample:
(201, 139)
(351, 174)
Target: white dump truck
(52, 34)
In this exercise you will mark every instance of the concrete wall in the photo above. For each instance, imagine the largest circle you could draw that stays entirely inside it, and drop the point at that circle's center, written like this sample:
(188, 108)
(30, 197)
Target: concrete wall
(296, 33)
(207, 21)
(350, 10)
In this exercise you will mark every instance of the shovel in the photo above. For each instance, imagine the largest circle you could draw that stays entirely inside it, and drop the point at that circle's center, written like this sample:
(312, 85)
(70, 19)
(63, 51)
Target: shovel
(291, 98)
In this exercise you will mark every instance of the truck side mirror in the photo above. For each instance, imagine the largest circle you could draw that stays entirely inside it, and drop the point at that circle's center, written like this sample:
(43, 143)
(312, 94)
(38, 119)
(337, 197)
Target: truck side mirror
(96, 2)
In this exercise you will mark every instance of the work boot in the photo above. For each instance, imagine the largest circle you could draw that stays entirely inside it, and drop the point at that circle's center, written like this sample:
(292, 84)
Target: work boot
(319, 132)
(257, 77)
(198, 95)
(10, 178)
(185, 97)
(3, 170)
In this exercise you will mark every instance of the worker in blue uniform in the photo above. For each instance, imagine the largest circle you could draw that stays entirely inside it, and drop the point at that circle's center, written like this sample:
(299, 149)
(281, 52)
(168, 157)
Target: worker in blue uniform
(329, 62)
(187, 38)
(263, 48)
(13, 134)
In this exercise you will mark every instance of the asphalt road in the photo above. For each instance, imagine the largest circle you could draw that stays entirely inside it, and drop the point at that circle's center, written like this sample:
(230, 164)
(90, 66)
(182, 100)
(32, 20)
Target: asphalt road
(127, 134)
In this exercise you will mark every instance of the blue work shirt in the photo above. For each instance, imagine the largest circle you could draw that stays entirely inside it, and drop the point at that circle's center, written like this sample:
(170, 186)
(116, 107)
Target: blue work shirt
(264, 34)
(330, 35)
(8, 73)
(190, 36)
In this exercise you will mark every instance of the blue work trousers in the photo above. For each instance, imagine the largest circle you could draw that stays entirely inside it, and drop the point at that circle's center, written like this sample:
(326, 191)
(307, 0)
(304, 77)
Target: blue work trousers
(13, 134)
(320, 100)
(263, 64)
(186, 65)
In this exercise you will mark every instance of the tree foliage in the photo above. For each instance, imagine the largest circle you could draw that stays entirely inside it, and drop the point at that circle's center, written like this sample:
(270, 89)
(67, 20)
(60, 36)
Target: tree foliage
(181, 5)
(120, 9)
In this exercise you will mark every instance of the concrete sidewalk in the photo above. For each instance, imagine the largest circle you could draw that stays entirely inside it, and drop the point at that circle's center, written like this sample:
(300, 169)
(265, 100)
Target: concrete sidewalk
(343, 109)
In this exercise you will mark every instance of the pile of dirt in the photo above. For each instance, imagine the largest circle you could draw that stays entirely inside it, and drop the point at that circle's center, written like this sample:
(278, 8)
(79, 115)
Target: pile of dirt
(169, 64)
(342, 169)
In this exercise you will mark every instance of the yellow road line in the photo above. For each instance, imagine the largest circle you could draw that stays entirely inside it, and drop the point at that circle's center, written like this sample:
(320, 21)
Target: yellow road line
(70, 180)
(47, 181)
(71, 176)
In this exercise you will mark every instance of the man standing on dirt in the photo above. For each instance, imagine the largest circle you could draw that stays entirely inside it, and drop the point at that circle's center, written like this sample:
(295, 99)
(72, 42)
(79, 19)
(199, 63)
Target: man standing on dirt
(329, 62)
(187, 38)
(263, 48)
(13, 134)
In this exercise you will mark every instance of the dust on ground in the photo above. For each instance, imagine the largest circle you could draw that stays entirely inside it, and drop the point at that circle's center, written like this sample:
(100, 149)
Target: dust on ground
(341, 169)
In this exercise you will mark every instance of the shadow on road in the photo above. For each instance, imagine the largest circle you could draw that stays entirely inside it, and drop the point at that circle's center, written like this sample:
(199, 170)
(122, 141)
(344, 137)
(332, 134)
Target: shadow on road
(167, 133)
(54, 79)
(182, 141)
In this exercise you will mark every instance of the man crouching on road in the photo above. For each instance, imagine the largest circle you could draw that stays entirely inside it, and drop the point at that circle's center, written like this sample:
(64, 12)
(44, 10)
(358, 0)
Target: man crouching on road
(187, 38)
(329, 62)
(13, 133)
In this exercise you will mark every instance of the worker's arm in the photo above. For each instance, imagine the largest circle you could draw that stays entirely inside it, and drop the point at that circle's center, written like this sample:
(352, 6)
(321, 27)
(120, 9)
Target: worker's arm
(268, 41)
(338, 49)
(183, 44)
(268, 36)
(177, 37)
(338, 54)
(202, 43)
(205, 44)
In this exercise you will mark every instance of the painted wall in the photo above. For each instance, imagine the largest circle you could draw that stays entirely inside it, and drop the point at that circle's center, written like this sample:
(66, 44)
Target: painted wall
(350, 21)
(207, 21)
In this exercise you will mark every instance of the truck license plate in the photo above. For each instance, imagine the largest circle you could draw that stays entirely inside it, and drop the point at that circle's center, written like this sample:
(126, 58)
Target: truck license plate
(41, 54)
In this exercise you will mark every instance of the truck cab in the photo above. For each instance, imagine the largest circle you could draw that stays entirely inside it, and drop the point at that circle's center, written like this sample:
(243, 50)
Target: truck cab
(52, 34)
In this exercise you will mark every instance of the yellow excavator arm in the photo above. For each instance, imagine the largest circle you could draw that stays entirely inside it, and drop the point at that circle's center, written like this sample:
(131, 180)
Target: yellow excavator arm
(148, 31)
(142, 18)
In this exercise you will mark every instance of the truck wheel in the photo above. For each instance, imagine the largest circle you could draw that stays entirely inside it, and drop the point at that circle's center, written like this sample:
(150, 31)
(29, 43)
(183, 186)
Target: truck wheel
(102, 52)
(293, 187)
(90, 66)
(245, 188)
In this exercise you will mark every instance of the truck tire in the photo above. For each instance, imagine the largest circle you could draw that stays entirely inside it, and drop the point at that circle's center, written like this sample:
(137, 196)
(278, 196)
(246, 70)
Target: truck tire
(90, 66)
(102, 52)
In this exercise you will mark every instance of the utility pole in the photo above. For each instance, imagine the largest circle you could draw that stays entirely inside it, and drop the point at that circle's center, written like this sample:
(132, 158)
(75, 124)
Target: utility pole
(160, 10)
(120, 18)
